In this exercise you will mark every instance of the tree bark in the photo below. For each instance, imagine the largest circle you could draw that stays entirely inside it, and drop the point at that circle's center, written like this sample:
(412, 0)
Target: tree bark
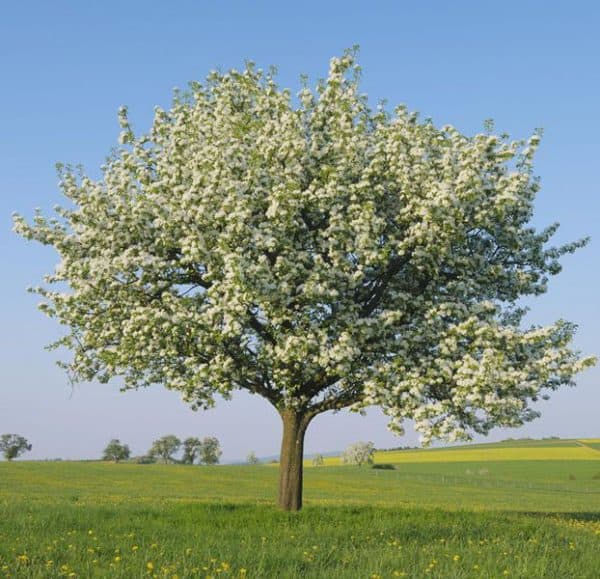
(290, 461)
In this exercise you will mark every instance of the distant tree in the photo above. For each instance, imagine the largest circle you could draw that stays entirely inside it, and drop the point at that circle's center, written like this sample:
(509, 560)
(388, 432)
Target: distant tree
(210, 452)
(251, 458)
(318, 460)
(116, 451)
(165, 447)
(192, 448)
(13, 445)
(359, 453)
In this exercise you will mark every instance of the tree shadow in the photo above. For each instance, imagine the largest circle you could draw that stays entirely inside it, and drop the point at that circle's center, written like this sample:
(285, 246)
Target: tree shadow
(583, 516)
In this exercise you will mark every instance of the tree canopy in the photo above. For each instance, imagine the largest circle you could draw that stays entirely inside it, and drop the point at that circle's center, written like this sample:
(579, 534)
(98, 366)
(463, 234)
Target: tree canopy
(13, 445)
(165, 447)
(116, 451)
(192, 447)
(316, 252)
(206, 451)
(210, 452)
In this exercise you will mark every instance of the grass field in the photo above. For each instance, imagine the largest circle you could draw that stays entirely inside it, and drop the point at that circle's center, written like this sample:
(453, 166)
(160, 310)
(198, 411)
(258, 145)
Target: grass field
(517, 509)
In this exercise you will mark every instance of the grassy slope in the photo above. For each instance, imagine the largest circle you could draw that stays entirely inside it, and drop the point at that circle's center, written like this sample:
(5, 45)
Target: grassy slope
(442, 518)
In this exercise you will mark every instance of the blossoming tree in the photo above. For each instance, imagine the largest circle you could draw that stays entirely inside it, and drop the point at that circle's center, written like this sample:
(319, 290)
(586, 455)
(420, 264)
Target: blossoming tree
(315, 252)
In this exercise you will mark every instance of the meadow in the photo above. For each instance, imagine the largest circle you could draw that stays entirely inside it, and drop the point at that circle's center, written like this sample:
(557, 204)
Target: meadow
(515, 509)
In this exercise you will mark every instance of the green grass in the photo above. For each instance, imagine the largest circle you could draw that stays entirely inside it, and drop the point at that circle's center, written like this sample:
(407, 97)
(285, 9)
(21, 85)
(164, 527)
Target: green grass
(442, 518)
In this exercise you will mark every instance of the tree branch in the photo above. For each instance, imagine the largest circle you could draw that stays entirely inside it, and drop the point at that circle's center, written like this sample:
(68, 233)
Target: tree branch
(343, 399)
(381, 284)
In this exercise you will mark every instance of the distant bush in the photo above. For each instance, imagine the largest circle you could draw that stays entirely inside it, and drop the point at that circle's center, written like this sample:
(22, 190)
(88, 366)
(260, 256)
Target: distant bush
(596, 476)
(395, 448)
(572, 477)
(145, 459)
(384, 466)
(318, 460)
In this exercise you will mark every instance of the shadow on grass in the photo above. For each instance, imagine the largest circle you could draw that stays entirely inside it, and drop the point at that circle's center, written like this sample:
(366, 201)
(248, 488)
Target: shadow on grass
(586, 517)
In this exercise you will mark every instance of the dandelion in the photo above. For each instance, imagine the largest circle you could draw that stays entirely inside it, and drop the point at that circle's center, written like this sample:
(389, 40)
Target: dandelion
(150, 566)
(456, 558)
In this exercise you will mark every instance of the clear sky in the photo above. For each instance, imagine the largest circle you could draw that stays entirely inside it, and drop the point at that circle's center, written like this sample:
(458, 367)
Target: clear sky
(67, 66)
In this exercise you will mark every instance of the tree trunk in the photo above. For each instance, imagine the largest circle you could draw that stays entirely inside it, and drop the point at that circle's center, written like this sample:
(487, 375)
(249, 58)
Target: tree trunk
(290, 461)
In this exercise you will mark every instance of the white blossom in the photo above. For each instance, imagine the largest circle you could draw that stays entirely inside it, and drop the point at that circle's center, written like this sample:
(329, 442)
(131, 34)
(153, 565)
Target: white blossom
(316, 253)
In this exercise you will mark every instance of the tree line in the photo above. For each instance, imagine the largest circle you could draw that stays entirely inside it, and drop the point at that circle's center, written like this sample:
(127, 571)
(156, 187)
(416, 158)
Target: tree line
(194, 451)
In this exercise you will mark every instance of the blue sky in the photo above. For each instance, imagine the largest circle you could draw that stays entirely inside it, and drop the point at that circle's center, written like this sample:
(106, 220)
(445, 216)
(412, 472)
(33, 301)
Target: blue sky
(67, 66)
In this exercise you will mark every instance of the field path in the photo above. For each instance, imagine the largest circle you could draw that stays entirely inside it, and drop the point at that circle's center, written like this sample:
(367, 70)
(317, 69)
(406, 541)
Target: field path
(581, 443)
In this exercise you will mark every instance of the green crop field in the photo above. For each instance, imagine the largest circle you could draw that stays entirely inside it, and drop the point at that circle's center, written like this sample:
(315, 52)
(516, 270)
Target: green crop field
(515, 509)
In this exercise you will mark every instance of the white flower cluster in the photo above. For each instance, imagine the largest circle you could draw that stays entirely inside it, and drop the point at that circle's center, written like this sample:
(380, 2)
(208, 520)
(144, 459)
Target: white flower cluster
(321, 255)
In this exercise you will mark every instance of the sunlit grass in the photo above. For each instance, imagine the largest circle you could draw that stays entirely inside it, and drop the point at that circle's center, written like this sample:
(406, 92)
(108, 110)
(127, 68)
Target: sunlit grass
(451, 518)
